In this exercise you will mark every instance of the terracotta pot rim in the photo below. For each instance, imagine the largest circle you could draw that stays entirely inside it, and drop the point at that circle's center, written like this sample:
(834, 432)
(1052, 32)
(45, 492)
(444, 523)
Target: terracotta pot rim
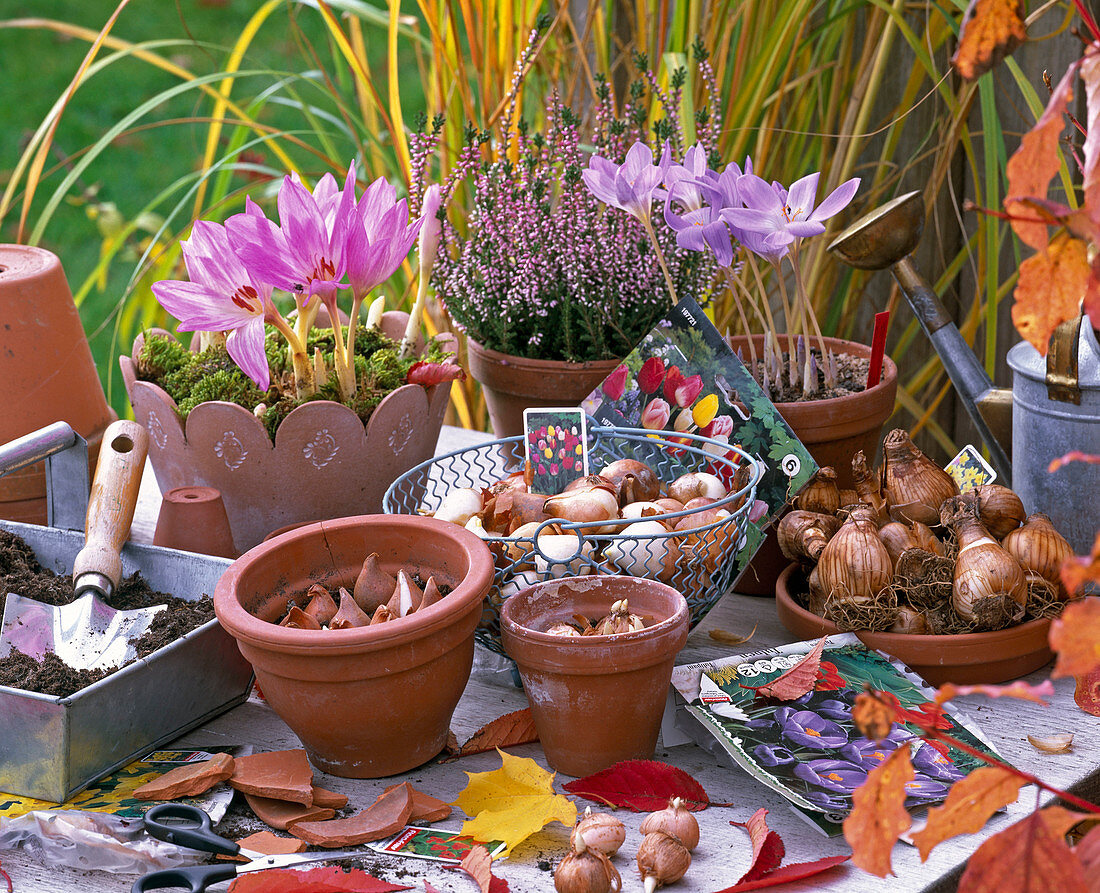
(537, 637)
(517, 360)
(886, 640)
(886, 382)
(464, 598)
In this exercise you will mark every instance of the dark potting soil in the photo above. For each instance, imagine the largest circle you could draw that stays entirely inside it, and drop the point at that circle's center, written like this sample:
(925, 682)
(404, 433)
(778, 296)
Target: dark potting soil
(851, 379)
(20, 572)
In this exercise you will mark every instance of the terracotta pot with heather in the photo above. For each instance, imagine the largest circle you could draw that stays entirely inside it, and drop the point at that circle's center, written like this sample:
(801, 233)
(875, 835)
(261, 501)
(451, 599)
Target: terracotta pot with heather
(366, 701)
(596, 699)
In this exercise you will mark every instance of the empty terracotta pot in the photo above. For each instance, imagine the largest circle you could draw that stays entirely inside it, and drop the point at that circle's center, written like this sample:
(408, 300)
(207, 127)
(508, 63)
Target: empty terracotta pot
(369, 701)
(194, 519)
(596, 700)
(967, 659)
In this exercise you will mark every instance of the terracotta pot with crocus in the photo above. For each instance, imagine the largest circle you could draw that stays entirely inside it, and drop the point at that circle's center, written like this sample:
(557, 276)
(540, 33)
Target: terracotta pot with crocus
(288, 420)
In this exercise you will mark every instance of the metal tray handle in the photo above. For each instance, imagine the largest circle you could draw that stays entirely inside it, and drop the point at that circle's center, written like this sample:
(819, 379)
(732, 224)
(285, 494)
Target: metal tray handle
(66, 456)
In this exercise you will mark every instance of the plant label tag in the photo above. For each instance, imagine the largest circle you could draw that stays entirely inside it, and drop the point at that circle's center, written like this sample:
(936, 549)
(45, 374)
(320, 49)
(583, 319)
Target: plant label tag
(434, 844)
(969, 469)
(555, 447)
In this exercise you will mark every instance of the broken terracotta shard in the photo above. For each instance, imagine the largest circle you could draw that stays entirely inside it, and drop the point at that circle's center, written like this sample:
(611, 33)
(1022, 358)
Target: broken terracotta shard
(189, 780)
(383, 818)
(278, 774)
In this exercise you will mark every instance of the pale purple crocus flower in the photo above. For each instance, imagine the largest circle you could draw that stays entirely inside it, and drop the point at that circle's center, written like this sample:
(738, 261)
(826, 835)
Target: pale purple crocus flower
(221, 296)
(631, 186)
(379, 238)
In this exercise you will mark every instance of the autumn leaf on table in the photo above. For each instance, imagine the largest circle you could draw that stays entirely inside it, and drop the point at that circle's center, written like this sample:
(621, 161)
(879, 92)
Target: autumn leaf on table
(513, 802)
(478, 864)
(991, 30)
(1030, 856)
(510, 730)
(1018, 689)
(1049, 289)
(878, 817)
(322, 879)
(641, 786)
(797, 681)
(767, 856)
(969, 804)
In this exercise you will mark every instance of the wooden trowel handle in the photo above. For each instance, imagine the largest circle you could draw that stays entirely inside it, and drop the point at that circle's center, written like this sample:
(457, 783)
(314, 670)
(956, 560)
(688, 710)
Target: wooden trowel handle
(111, 506)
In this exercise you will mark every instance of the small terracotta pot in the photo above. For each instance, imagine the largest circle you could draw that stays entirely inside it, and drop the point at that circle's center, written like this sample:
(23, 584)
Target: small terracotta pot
(833, 431)
(596, 700)
(968, 659)
(375, 700)
(47, 370)
(512, 384)
(194, 519)
(324, 463)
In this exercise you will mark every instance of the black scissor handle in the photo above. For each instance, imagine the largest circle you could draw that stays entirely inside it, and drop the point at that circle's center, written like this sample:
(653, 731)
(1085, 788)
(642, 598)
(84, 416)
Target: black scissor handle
(195, 832)
(194, 878)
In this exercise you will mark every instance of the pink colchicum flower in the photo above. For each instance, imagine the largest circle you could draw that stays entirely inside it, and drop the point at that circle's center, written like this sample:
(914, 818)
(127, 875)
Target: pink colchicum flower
(379, 236)
(655, 415)
(614, 386)
(651, 375)
(631, 186)
(222, 296)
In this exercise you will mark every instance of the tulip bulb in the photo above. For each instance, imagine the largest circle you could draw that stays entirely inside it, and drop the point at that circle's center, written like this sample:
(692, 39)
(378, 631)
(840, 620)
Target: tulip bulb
(697, 483)
(459, 505)
(620, 620)
(634, 481)
(588, 506)
(373, 586)
(644, 549)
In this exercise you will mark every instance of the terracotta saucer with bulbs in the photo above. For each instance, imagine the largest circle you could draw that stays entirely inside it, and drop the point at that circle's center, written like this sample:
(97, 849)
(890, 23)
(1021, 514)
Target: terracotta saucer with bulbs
(967, 659)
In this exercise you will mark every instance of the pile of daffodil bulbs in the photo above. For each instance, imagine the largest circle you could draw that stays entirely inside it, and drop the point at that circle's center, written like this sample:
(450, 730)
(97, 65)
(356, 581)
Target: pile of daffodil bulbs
(664, 856)
(377, 597)
(626, 519)
(906, 552)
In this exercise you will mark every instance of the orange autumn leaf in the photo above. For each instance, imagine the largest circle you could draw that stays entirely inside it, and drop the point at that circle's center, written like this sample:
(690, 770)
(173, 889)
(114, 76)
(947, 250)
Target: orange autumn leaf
(1088, 851)
(1075, 636)
(1049, 289)
(878, 817)
(1035, 163)
(1072, 456)
(1086, 695)
(510, 730)
(872, 717)
(991, 30)
(1076, 572)
(1030, 856)
(969, 804)
(478, 864)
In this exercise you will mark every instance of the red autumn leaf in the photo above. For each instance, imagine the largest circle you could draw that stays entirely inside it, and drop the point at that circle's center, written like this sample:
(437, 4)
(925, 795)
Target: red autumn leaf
(969, 804)
(641, 786)
(991, 30)
(878, 817)
(427, 374)
(517, 727)
(798, 680)
(1075, 637)
(1022, 690)
(322, 879)
(1049, 289)
(1087, 693)
(796, 871)
(1034, 164)
(1076, 572)
(1027, 857)
(1088, 852)
(1072, 456)
(767, 846)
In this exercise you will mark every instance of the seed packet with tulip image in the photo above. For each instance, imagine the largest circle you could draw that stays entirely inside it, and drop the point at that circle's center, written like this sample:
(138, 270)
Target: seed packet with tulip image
(684, 377)
(434, 844)
(556, 446)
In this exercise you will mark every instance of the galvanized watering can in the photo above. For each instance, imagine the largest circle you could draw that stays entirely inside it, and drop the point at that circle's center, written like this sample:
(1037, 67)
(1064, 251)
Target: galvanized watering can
(1054, 404)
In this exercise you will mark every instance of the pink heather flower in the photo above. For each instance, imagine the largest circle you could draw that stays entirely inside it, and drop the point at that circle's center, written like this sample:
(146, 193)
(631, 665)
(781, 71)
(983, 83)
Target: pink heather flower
(221, 297)
(655, 415)
(651, 375)
(615, 383)
(305, 255)
(631, 186)
(379, 236)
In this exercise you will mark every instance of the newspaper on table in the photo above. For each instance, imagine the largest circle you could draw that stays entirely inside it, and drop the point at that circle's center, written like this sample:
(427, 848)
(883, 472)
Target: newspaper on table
(809, 750)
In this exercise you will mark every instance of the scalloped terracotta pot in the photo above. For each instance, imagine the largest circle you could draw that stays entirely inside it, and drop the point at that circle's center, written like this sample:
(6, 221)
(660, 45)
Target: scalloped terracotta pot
(596, 700)
(324, 463)
(511, 384)
(371, 701)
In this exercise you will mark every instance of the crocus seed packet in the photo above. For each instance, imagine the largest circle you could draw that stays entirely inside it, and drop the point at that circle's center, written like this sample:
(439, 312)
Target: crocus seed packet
(684, 377)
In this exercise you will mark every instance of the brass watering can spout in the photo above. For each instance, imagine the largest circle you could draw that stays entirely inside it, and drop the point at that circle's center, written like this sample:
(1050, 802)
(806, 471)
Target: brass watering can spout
(884, 238)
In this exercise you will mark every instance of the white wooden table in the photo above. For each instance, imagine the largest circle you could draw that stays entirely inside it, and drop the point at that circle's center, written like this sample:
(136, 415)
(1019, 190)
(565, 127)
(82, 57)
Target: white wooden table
(724, 851)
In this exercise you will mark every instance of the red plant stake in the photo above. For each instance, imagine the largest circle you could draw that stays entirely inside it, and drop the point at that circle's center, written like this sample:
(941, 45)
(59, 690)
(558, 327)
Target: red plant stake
(878, 347)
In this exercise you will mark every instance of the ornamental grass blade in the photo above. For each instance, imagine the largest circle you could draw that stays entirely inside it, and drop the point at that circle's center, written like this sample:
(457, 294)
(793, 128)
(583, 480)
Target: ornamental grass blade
(797, 681)
(510, 730)
(1030, 856)
(641, 786)
(323, 879)
(879, 818)
(969, 804)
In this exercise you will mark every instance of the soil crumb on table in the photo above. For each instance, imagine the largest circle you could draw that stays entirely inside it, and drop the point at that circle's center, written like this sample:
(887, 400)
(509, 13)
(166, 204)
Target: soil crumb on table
(20, 572)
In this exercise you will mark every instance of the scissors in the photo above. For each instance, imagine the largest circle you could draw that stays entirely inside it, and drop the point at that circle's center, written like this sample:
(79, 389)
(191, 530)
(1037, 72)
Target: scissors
(191, 827)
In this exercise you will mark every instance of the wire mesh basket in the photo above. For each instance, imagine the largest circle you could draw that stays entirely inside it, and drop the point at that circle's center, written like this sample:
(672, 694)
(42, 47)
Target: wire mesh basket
(696, 559)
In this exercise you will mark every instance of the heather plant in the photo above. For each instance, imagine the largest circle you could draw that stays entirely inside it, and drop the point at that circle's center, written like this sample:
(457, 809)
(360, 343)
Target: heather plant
(537, 267)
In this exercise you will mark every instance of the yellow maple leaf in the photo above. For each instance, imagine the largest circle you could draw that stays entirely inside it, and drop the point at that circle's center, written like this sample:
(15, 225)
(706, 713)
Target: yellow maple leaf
(513, 802)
